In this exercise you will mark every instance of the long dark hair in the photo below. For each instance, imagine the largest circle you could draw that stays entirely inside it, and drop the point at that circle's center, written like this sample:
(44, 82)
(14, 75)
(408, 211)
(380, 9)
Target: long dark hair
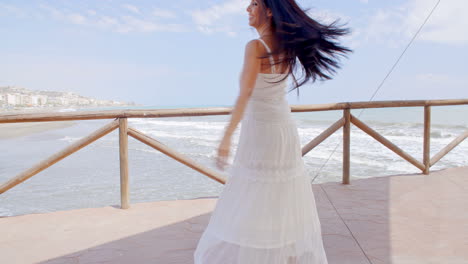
(301, 38)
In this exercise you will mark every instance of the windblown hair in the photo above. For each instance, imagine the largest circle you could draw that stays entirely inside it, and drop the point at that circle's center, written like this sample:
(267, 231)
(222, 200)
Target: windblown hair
(301, 38)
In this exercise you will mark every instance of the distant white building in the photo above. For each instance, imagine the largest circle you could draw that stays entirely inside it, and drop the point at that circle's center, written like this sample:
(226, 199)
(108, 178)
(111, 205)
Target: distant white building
(83, 101)
(11, 99)
(21, 97)
(53, 100)
(38, 100)
(26, 100)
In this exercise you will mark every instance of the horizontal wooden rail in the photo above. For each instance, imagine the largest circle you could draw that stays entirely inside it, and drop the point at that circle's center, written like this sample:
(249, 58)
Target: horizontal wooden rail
(108, 114)
(376, 104)
(59, 156)
(133, 113)
(124, 132)
(175, 155)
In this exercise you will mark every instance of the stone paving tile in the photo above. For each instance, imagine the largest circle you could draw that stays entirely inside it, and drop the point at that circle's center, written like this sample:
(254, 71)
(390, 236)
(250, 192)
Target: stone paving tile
(407, 219)
(340, 246)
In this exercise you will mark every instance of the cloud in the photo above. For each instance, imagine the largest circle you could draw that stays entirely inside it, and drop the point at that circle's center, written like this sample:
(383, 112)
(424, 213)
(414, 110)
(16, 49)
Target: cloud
(6, 9)
(106, 22)
(224, 17)
(448, 25)
(77, 19)
(52, 12)
(211, 15)
(131, 8)
(395, 26)
(219, 17)
(120, 23)
(327, 16)
(163, 13)
(133, 24)
(69, 17)
(125, 18)
(383, 27)
(91, 12)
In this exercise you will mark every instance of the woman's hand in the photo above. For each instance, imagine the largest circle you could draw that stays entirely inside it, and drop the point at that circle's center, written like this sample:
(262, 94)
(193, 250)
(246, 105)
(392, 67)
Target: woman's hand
(223, 152)
(247, 82)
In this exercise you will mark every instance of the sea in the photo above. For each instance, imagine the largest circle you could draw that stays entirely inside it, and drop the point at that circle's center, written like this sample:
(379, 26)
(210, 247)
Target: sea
(90, 177)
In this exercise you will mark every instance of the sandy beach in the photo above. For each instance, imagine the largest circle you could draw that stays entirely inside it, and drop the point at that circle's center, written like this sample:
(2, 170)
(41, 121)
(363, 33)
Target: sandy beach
(12, 130)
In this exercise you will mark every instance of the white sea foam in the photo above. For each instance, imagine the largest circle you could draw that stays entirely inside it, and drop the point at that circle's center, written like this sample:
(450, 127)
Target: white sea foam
(198, 138)
(69, 139)
(5, 212)
(161, 124)
(67, 110)
(187, 135)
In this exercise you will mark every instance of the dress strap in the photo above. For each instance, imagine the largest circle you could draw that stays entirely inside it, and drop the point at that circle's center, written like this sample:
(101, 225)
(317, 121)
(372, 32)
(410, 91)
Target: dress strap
(272, 62)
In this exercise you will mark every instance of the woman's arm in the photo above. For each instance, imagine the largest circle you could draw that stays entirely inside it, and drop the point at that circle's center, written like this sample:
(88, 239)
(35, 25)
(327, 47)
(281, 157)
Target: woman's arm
(247, 82)
(248, 77)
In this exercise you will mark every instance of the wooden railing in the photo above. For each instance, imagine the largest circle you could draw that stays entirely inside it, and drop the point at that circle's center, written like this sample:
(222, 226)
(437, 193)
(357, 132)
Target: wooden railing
(121, 117)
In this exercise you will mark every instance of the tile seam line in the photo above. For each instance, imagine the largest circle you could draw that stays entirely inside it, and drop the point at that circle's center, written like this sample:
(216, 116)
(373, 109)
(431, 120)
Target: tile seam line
(342, 220)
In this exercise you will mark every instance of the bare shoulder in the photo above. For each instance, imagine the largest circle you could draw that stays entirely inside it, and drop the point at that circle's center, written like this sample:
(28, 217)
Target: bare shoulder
(252, 47)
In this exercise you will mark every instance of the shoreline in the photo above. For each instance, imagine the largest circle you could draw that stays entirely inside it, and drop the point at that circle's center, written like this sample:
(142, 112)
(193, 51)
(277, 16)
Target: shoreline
(49, 109)
(15, 130)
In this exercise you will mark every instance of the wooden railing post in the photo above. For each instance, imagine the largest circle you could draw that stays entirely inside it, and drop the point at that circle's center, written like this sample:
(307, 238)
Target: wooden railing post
(123, 149)
(124, 132)
(346, 145)
(427, 139)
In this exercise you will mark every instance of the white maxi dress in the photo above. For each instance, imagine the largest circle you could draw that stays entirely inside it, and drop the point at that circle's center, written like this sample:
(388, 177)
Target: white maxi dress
(266, 213)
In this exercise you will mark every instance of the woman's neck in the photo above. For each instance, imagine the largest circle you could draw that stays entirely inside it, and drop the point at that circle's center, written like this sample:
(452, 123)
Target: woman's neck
(264, 30)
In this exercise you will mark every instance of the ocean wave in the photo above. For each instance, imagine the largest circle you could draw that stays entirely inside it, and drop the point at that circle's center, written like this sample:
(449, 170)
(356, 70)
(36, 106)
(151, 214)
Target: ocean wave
(69, 139)
(321, 123)
(164, 134)
(367, 161)
(212, 125)
(415, 125)
(441, 134)
(460, 126)
(67, 110)
(148, 150)
(5, 212)
(397, 133)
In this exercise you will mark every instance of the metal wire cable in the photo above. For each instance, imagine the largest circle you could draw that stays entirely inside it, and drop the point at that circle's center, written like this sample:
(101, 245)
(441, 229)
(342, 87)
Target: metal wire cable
(386, 77)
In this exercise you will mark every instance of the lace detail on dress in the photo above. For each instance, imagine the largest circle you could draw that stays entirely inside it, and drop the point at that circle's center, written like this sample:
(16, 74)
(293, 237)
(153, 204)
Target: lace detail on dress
(264, 172)
(266, 212)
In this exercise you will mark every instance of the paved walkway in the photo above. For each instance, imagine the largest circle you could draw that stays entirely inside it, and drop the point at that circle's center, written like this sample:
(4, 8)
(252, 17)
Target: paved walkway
(407, 219)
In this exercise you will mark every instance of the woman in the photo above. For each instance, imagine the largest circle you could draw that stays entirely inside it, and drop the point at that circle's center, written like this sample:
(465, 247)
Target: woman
(266, 213)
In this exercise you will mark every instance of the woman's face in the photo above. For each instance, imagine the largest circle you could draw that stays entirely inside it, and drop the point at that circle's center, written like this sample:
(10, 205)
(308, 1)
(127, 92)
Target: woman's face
(256, 14)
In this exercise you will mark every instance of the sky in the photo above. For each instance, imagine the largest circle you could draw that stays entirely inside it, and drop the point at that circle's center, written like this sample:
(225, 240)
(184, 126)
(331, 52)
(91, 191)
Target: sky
(190, 52)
